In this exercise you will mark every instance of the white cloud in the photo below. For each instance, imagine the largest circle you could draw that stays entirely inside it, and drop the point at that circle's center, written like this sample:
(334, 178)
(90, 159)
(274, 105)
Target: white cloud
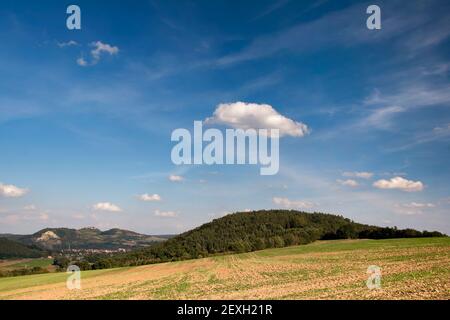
(30, 207)
(356, 174)
(175, 178)
(150, 197)
(165, 214)
(81, 62)
(241, 115)
(67, 44)
(11, 191)
(399, 183)
(419, 205)
(100, 48)
(348, 182)
(106, 206)
(293, 204)
(413, 208)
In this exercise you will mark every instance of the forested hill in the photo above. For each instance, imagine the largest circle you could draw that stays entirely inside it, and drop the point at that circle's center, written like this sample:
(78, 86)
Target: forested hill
(57, 239)
(12, 249)
(250, 231)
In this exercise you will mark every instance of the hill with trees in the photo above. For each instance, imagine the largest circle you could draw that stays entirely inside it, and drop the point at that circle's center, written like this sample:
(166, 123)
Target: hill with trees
(250, 231)
(57, 239)
(12, 249)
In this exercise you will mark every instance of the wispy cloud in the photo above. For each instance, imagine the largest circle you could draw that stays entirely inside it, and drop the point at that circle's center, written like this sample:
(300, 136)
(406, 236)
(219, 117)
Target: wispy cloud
(149, 197)
(78, 216)
(165, 214)
(292, 204)
(26, 216)
(175, 178)
(413, 208)
(419, 205)
(440, 133)
(413, 94)
(358, 174)
(438, 69)
(271, 8)
(352, 32)
(381, 117)
(348, 183)
(70, 43)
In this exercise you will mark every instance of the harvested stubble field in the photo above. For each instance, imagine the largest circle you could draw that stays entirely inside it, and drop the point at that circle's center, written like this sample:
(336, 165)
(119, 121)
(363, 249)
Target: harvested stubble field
(411, 269)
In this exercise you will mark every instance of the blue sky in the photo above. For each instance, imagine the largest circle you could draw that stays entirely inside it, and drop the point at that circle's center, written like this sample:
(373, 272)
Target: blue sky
(84, 134)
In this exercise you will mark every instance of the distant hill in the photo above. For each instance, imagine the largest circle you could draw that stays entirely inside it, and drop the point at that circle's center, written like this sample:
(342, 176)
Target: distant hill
(250, 231)
(13, 249)
(86, 238)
